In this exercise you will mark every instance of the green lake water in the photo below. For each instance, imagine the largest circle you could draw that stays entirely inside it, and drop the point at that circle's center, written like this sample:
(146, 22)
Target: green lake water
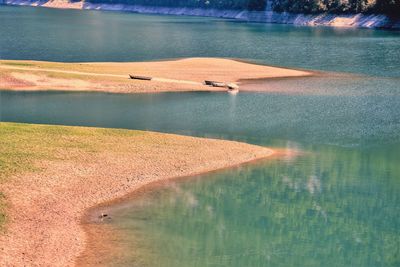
(338, 204)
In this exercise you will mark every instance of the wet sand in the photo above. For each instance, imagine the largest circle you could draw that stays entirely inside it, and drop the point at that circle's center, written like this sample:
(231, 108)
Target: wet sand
(168, 76)
(84, 168)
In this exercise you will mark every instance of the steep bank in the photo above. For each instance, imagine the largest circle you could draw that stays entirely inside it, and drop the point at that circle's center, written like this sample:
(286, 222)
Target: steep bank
(347, 20)
(52, 174)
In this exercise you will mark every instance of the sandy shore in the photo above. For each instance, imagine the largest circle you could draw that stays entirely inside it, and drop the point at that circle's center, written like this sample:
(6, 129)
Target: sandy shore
(66, 170)
(175, 75)
(104, 242)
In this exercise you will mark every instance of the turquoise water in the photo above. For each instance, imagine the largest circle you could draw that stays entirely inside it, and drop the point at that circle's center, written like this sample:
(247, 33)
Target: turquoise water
(334, 207)
(348, 121)
(338, 204)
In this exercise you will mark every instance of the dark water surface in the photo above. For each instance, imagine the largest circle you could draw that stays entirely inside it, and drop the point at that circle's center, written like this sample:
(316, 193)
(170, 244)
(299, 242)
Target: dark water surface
(336, 205)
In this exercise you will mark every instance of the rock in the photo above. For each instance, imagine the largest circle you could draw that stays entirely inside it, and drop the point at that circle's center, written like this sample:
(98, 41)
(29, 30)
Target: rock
(103, 215)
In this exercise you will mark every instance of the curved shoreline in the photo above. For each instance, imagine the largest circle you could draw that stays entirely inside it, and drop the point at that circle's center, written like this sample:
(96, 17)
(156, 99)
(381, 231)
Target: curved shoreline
(99, 166)
(97, 234)
(100, 245)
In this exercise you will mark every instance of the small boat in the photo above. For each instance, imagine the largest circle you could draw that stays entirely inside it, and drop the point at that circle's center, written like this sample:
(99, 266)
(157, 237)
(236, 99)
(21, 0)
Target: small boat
(232, 86)
(144, 78)
(207, 82)
(218, 84)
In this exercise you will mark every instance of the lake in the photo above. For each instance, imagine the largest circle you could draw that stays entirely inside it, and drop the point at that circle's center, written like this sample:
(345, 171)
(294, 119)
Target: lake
(337, 204)
(73, 35)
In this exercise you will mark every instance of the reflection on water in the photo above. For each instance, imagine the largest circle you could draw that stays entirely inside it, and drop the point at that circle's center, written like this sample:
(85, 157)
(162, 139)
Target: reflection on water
(329, 84)
(333, 207)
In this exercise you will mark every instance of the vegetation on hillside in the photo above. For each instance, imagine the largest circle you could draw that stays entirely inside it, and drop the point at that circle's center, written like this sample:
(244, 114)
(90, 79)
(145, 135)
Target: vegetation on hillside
(217, 4)
(390, 7)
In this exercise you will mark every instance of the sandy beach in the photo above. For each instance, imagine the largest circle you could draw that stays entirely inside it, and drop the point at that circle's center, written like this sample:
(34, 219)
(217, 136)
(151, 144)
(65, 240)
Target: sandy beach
(55, 173)
(168, 76)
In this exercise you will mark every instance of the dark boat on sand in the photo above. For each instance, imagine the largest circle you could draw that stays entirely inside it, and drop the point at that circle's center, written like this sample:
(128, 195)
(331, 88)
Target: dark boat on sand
(230, 86)
(207, 82)
(144, 78)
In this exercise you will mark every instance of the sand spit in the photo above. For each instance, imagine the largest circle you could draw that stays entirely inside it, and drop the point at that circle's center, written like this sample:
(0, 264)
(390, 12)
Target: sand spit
(169, 76)
(86, 167)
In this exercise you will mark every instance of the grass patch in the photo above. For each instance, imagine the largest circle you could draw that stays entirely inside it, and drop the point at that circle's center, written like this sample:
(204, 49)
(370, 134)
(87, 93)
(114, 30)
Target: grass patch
(22, 145)
(2, 212)
(20, 64)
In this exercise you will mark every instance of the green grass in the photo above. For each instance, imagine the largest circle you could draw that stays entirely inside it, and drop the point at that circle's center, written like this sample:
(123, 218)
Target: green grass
(18, 64)
(21, 145)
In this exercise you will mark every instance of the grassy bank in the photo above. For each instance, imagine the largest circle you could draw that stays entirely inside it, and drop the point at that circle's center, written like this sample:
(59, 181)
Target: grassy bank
(22, 145)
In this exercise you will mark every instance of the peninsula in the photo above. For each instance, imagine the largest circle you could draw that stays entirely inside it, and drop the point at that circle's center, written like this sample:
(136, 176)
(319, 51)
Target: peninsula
(50, 175)
(168, 76)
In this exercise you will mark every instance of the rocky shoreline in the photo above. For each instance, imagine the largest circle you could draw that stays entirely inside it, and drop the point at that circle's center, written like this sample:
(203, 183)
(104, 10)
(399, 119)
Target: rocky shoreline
(325, 19)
